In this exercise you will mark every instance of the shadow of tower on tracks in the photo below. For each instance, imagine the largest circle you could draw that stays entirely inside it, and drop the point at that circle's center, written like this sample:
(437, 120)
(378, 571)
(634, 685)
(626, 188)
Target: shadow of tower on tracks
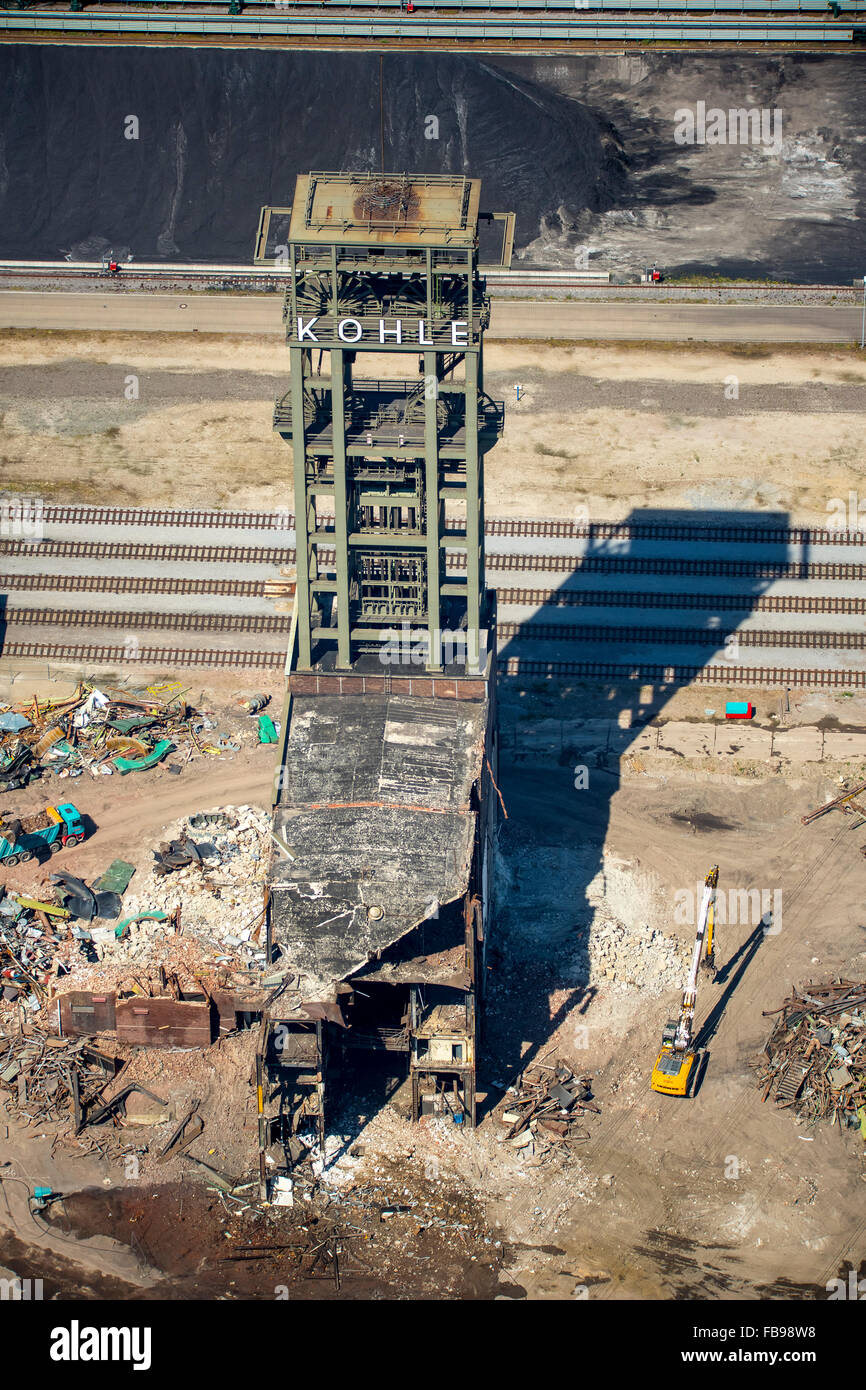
(644, 609)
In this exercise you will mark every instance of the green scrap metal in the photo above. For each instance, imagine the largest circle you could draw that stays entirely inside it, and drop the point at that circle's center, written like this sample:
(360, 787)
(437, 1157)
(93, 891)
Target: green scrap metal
(116, 877)
(147, 916)
(267, 730)
(125, 765)
(128, 726)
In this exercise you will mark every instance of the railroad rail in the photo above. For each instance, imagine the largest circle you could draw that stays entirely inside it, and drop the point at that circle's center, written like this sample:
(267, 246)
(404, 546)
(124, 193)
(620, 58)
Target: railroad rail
(631, 564)
(144, 656)
(738, 677)
(738, 603)
(732, 677)
(784, 8)
(543, 598)
(273, 279)
(552, 528)
(561, 564)
(522, 632)
(416, 32)
(146, 550)
(133, 584)
(176, 622)
(684, 636)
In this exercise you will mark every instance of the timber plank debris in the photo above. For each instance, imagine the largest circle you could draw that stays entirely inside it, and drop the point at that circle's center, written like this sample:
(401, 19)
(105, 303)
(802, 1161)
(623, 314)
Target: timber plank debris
(546, 1108)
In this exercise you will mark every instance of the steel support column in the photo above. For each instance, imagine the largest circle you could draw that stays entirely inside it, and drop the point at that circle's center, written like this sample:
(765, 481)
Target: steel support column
(302, 534)
(434, 513)
(341, 508)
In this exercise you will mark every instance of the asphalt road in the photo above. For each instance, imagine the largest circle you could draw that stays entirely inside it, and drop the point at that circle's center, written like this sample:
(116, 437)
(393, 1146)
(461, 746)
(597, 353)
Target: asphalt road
(719, 323)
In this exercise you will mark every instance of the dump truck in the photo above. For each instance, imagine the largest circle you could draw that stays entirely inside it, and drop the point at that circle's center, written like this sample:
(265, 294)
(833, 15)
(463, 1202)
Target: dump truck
(50, 829)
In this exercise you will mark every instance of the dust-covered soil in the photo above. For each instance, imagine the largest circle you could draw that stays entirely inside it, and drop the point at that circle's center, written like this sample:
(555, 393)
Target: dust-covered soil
(719, 1196)
(597, 432)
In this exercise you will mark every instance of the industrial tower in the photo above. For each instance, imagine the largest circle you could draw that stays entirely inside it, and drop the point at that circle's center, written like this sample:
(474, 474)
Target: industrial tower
(384, 820)
(388, 474)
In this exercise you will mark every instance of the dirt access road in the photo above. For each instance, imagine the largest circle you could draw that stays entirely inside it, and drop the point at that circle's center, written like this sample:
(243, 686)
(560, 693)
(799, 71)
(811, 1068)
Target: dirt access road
(604, 433)
(81, 311)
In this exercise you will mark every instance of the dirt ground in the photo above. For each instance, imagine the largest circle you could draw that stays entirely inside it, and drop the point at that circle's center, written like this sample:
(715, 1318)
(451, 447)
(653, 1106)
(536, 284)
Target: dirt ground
(124, 813)
(715, 1197)
(598, 431)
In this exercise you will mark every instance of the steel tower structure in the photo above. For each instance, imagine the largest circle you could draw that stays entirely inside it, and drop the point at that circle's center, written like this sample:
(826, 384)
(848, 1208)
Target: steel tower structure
(388, 473)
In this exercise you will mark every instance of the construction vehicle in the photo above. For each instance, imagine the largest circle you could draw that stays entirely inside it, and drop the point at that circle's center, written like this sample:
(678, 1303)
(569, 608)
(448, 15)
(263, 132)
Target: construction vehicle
(53, 828)
(675, 1071)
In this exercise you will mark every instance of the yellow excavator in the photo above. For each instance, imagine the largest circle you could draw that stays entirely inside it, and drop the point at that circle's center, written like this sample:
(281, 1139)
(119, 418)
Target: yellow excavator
(674, 1071)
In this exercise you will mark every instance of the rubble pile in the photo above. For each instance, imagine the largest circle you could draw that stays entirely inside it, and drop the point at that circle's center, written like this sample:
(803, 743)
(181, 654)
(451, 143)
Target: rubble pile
(203, 907)
(645, 959)
(47, 1078)
(814, 1061)
(118, 731)
(547, 1108)
(220, 891)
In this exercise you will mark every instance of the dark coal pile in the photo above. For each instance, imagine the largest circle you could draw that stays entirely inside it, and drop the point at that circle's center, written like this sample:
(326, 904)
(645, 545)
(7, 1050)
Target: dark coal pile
(221, 133)
(582, 147)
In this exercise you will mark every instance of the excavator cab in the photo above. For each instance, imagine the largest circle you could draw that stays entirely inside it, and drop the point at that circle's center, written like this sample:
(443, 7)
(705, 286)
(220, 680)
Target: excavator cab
(673, 1072)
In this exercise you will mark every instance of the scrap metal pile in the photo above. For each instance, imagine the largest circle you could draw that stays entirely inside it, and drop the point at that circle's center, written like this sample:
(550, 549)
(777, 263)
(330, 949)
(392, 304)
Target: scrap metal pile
(546, 1108)
(39, 940)
(113, 731)
(47, 1078)
(814, 1061)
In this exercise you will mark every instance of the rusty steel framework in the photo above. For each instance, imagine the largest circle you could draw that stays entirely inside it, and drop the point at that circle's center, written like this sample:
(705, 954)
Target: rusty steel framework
(386, 810)
(388, 474)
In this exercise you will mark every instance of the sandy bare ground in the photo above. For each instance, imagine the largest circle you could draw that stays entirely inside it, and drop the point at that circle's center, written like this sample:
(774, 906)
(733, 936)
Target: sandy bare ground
(716, 1197)
(680, 428)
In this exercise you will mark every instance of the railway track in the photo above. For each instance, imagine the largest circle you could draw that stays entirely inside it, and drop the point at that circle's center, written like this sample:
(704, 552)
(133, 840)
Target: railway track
(748, 677)
(174, 622)
(726, 603)
(148, 550)
(521, 632)
(145, 656)
(684, 636)
(134, 584)
(561, 564)
(551, 528)
(632, 564)
(733, 677)
(545, 598)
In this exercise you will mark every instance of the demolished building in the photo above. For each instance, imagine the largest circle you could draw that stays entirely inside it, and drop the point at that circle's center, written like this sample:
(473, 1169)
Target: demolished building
(385, 805)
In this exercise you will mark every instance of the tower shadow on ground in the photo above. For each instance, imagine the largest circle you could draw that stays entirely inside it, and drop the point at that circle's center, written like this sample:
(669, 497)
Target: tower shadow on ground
(550, 875)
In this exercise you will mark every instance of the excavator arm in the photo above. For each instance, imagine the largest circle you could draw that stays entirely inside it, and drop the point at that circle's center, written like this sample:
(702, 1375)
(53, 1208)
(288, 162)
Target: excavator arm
(672, 1073)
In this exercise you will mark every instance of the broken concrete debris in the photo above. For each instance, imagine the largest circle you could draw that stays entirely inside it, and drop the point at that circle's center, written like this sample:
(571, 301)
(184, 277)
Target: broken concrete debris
(198, 910)
(814, 1061)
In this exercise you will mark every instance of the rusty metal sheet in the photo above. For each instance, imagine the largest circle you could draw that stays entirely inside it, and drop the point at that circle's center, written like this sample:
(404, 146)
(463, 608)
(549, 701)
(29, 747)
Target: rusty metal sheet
(328, 1011)
(83, 1012)
(161, 1022)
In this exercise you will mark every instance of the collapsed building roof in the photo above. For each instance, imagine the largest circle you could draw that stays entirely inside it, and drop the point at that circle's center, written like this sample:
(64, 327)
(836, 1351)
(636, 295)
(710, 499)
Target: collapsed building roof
(377, 816)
